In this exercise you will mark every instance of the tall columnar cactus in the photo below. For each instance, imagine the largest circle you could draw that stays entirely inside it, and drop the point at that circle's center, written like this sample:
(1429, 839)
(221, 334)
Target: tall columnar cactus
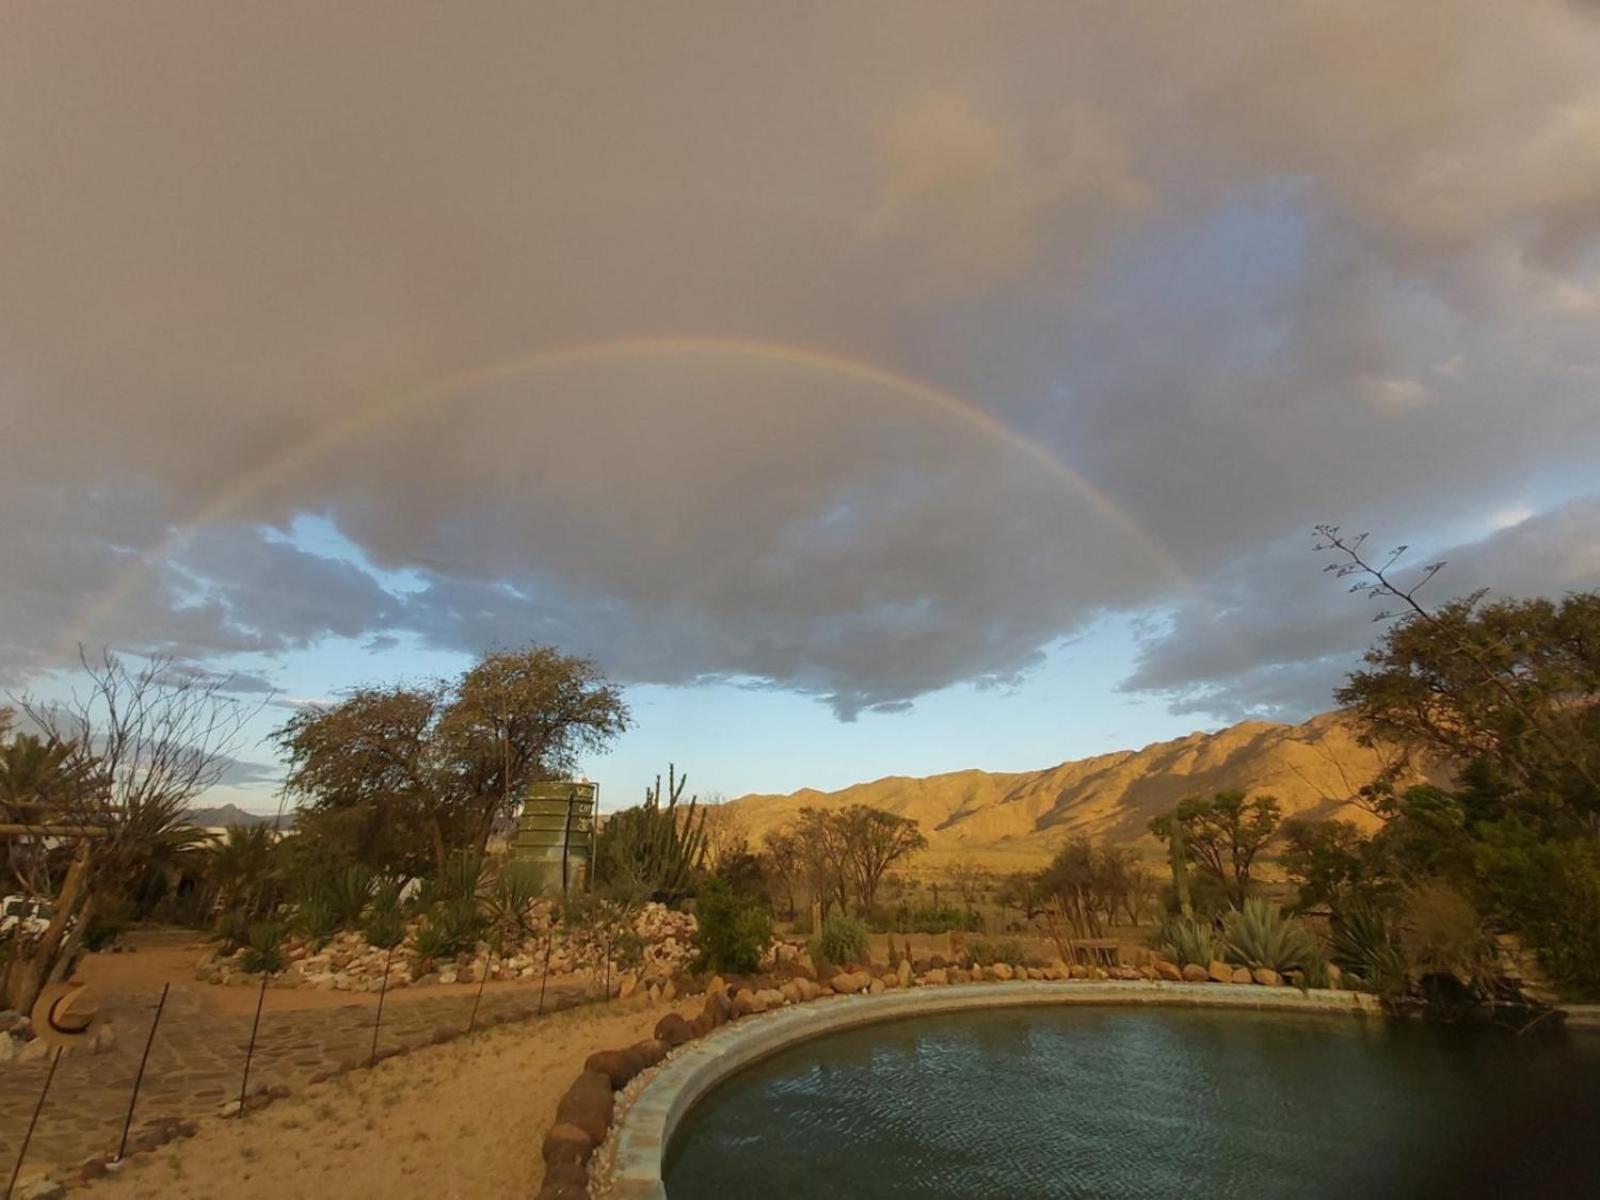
(657, 847)
(1180, 872)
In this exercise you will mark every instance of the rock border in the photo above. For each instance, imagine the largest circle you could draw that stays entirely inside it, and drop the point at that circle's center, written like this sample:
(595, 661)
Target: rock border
(642, 1137)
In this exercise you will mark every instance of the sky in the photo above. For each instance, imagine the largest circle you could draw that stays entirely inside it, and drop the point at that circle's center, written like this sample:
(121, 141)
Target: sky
(868, 389)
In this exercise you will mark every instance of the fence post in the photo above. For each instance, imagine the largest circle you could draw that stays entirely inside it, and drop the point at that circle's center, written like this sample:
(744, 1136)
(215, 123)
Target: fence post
(122, 1147)
(250, 1050)
(383, 990)
(488, 966)
(37, 1109)
(549, 939)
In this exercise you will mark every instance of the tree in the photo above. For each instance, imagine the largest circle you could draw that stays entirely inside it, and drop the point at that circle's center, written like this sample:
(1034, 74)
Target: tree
(445, 762)
(1327, 860)
(967, 877)
(783, 864)
(1223, 834)
(1514, 684)
(874, 840)
(147, 741)
(824, 856)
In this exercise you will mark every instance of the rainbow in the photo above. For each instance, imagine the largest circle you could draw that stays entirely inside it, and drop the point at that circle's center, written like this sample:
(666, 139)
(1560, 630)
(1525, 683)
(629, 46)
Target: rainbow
(364, 418)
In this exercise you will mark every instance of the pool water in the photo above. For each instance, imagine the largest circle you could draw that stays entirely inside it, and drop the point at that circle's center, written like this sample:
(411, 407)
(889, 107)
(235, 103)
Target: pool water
(1110, 1103)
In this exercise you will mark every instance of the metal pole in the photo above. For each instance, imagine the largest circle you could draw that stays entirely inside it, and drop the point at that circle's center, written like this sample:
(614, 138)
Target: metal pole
(122, 1147)
(549, 939)
(473, 1019)
(383, 990)
(251, 1049)
(37, 1109)
(566, 834)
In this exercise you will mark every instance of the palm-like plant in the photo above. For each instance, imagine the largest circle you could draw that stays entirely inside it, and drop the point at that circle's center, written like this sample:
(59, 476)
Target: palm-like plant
(1189, 941)
(1367, 945)
(1261, 935)
(240, 867)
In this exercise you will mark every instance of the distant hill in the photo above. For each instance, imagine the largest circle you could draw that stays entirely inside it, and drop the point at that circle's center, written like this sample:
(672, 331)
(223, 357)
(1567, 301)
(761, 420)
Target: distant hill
(1019, 819)
(231, 814)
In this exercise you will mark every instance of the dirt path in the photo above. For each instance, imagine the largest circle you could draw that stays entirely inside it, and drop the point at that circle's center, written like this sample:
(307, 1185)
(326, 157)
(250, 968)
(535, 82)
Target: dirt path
(460, 1120)
(198, 1055)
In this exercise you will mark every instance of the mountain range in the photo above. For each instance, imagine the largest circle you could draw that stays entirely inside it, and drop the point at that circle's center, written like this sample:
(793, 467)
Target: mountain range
(1017, 820)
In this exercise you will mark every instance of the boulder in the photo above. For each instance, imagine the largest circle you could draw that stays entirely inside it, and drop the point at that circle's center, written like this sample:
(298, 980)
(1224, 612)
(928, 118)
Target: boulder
(847, 983)
(650, 1051)
(717, 987)
(718, 1007)
(1079, 971)
(567, 1144)
(1195, 973)
(1219, 972)
(891, 980)
(1162, 969)
(905, 973)
(1335, 976)
(619, 1066)
(744, 1004)
(1267, 977)
(810, 989)
(588, 1104)
(673, 1030)
(1241, 975)
(934, 976)
(875, 985)
(1003, 972)
(771, 998)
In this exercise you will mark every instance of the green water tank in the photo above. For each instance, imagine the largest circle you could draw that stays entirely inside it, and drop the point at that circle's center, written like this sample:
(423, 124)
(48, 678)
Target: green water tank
(556, 832)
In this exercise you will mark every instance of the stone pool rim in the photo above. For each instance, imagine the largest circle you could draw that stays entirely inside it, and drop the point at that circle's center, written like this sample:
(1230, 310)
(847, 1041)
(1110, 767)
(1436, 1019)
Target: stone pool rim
(647, 1128)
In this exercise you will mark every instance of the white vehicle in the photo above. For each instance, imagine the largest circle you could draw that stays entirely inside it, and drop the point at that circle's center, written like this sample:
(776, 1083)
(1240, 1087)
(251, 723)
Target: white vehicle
(24, 916)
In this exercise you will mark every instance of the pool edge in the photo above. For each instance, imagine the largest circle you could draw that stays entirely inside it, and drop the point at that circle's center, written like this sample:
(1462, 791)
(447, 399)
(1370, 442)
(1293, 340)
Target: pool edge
(647, 1128)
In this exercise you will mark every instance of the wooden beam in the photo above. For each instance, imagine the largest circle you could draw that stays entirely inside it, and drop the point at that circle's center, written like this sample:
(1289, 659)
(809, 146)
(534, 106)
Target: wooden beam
(84, 831)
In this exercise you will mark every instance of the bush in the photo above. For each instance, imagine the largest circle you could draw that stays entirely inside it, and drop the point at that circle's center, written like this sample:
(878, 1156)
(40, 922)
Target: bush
(265, 955)
(384, 928)
(1367, 947)
(1443, 935)
(233, 928)
(986, 953)
(1260, 935)
(928, 919)
(841, 940)
(317, 918)
(733, 930)
(1188, 942)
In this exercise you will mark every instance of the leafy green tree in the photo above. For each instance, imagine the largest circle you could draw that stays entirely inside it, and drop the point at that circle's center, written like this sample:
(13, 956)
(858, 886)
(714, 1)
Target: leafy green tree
(732, 931)
(1327, 860)
(1223, 835)
(443, 763)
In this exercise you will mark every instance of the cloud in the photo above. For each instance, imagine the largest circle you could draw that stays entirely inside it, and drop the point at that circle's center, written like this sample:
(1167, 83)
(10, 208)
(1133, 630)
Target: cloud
(1269, 642)
(1238, 276)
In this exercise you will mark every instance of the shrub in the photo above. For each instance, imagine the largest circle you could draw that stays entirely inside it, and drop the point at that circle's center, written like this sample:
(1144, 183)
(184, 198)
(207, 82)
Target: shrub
(1443, 935)
(384, 928)
(986, 953)
(266, 948)
(1366, 946)
(842, 939)
(1260, 935)
(348, 893)
(732, 930)
(317, 917)
(233, 928)
(1188, 941)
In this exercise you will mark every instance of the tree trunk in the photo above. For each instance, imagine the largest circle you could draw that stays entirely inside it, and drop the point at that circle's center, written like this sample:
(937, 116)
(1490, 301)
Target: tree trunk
(30, 972)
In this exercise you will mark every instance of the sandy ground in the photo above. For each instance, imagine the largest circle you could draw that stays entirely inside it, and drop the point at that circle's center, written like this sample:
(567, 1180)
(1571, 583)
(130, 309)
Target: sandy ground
(461, 1120)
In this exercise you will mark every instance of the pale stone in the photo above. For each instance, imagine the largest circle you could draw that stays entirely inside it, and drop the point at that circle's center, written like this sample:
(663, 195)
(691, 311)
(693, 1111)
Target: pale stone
(1219, 972)
(1267, 977)
(1241, 975)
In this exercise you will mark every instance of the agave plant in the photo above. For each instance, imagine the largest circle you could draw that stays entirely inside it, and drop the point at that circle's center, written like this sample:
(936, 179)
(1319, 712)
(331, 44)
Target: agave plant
(1189, 941)
(1262, 935)
(316, 917)
(1367, 946)
(266, 948)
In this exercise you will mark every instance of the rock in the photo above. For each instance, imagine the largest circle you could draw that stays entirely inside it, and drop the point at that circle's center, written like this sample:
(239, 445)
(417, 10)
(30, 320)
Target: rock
(1003, 972)
(1195, 973)
(935, 976)
(771, 997)
(809, 989)
(228, 1109)
(567, 1144)
(847, 983)
(719, 1008)
(962, 975)
(717, 987)
(673, 1030)
(1267, 977)
(650, 1051)
(875, 986)
(891, 980)
(566, 1173)
(628, 985)
(617, 1065)
(744, 1004)
(1079, 971)
(1335, 976)
(1242, 975)
(1219, 972)
(588, 1104)
(1166, 970)
(905, 973)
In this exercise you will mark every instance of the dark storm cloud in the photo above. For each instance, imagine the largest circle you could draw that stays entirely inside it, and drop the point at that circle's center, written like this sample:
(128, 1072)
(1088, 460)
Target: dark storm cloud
(1244, 274)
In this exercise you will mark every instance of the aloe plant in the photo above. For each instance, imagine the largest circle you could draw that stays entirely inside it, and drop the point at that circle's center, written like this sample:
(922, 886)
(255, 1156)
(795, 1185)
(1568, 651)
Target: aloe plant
(1262, 935)
(1189, 941)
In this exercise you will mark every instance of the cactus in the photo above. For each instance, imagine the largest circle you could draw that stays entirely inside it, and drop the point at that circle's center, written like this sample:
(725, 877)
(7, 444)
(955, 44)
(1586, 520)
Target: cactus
(1180, 873)
(655, 848)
